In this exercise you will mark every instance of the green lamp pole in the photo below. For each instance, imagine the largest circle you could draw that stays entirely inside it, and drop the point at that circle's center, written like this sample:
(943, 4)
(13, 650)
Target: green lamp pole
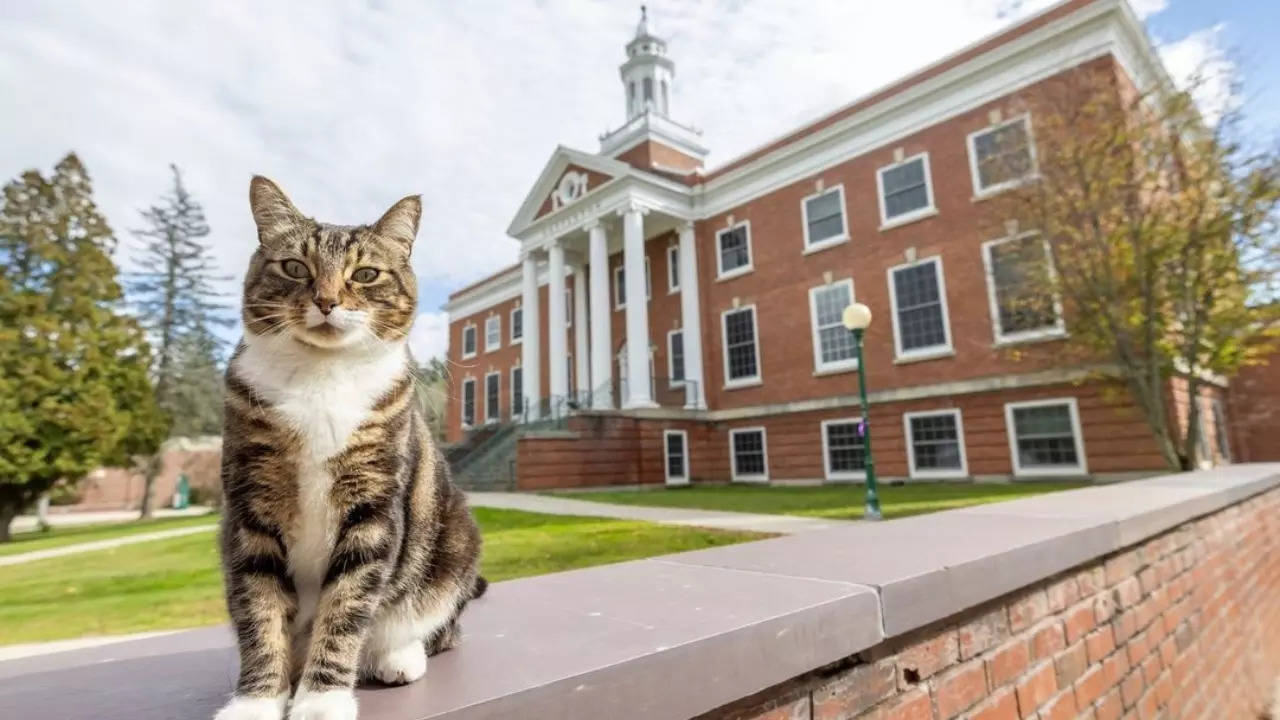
(856, 318)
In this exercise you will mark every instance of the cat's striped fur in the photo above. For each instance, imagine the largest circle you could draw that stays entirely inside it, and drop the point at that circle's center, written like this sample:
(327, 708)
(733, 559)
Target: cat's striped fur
(348, 553)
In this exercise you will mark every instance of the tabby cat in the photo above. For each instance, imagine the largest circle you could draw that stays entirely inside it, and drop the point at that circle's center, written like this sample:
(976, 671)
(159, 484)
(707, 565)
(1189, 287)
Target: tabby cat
(347, 550)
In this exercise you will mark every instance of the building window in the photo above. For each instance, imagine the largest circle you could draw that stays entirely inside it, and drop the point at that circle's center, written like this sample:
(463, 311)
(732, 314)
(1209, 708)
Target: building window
(492, 397)
(935, 444)
(648, 91)
(824, 223)
(568, 374)
(517, 325)
(1018, 271)
(1220, 429)
(1044, 437)
(675, 357)
(918, 295)
(568, 307)
(468, 403)
(741, 350)
(620, 285)
(844, 449)
(469, 341)
(492, 333)
(748, 454)
(673, 269)
(1001, 156)
(906, 192)
(517, 393)
(733, 256)
(832, 343)
(676, 455)
(666, 98)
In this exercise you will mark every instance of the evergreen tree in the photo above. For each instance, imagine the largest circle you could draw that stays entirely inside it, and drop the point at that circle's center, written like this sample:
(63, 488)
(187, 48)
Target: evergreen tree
(197, 388)
(74, 386)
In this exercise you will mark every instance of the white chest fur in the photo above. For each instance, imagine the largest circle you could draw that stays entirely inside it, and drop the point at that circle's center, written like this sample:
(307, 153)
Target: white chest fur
(324, 397)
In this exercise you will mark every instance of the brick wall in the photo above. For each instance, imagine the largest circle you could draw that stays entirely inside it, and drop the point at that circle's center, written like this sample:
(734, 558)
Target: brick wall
(1183, 625)
(121, 488)
(1254, 411)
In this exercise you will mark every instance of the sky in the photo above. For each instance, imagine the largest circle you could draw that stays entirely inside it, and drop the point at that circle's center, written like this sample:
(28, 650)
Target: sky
(352, 105)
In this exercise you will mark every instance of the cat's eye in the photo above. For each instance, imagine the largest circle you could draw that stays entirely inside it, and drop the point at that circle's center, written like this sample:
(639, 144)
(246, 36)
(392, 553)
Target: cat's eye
(365, 275)
(295, 269)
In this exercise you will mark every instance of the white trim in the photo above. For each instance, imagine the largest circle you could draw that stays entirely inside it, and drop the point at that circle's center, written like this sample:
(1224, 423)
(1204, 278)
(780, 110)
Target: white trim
(666, 459)
(673, 282)
(671, 365)
(1048, 332)
(980, 192)
(1081, 468)
(475, 341)
(516, 403)
(511, 323)
(947, 348)
(827, 472)
(841, 237)
(764, 452)
(488, 419)
(721, 274)
(724, 347)
(568, 307)
(497, 344)
(620, 303)
(961, 472)
(820, 367)
(462, 406)
(929, 210)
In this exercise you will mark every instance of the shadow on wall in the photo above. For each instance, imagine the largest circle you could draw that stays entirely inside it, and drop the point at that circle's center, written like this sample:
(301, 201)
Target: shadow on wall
(121, 488)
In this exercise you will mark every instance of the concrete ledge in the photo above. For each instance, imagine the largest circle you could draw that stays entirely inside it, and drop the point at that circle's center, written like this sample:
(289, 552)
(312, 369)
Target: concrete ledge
(676, 636)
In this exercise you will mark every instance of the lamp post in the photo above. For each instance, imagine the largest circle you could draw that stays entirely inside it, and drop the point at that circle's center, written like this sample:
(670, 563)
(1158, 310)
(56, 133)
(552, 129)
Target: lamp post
(856, 319)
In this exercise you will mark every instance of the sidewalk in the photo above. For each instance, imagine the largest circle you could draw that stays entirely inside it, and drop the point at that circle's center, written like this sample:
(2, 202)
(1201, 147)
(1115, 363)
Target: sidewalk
(103, 544)
(717, 519)
(27, 523)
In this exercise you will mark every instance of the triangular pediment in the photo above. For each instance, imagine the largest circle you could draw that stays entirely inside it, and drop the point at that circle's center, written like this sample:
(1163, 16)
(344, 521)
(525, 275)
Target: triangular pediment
(567, 177)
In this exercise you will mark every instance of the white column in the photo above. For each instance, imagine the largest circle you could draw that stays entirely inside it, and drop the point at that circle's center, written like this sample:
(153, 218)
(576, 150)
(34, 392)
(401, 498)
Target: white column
(691, 321)
(639, 384)
(581, 356)
(557, 352)
(531, 373)
(601, 329)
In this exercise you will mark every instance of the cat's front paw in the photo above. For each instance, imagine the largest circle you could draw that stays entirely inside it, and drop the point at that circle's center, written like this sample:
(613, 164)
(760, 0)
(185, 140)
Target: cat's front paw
(253, 708)
(326, 705)
(403, 666)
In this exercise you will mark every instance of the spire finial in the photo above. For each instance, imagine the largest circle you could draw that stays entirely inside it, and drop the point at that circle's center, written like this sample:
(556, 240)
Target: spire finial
(643, 28)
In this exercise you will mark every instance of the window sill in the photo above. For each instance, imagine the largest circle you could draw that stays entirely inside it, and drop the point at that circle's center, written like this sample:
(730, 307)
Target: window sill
(468, 357)
(517, 341)
(939, 475)
(1051, 472)
(751, 479)
(740, 384)
(994, 190)
(924, 356)
(845, 478)
(825, 244)
(836, 370)
(912, 217)
(492, 349)
(1030, 338)
(737, 272)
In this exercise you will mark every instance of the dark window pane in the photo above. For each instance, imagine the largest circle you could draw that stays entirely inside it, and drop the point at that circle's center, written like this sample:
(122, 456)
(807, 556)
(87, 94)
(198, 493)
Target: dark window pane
(846, 449)
(733, 249)
(740, 344)
(1045, 436)
(468, 340)
(904, 189)
(935, 442)
(517, 392)
(1019, 269)
(492, 393)
(825, 216)
(517, 324)
(1002, 154)
(469, 402)
(748, 453)
(675, 455)
(920, 321)
(835, 342)
(677, 356)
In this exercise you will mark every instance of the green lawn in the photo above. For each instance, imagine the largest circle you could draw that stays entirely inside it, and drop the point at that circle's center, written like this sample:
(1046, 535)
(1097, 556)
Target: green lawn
(827, 501)
(177, 583)
(59, 536)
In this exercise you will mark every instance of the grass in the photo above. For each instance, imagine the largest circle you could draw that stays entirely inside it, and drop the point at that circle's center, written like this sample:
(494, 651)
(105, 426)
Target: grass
(74, 534)
(176, 582)
(825, 501)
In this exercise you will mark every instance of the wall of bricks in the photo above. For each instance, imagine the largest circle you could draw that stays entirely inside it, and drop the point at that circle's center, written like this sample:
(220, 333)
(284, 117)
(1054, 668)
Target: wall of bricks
(122, 488)
(1183, 625)
(1254, 412)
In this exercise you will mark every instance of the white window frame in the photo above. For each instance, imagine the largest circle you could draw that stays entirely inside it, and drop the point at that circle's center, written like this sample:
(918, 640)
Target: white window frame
(673, 261)
(931, 473)
(475, 343)
(671, 364)
(462, 404)
(721, 273)
(971, 140)
(619, 302)
(840, 475)
(497, 342)
(838, 366)
(511, 321)
(757, 379)
(517, 403)
(764, 452)
(842, 237)
(487, 419)
(927, 353)
(1049, 332)
(666, 457)
(919, 214)
(1073, 409)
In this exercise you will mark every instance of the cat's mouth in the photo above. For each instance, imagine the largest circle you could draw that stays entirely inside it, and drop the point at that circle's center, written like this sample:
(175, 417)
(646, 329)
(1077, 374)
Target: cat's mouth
(337, 328)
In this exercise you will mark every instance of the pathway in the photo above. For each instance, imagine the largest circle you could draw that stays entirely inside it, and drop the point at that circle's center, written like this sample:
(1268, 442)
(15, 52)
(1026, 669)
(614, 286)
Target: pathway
(102, 544)
(27, 523)
(717, 519)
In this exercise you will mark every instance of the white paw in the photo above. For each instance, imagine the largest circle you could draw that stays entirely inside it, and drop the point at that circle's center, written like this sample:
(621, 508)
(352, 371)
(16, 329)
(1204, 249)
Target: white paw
(253, 708)
(403, 666)
(327, 705)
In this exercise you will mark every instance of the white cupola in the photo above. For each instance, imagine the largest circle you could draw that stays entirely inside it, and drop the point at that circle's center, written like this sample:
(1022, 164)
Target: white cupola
(648, 73)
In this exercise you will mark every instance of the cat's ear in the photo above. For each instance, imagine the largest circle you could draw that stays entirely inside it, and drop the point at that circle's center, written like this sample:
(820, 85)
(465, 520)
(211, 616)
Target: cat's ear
(400, 223)
(272, 211)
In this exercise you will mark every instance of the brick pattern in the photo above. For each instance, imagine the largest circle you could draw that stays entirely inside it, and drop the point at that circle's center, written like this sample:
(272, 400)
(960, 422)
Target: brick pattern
(1184, 625)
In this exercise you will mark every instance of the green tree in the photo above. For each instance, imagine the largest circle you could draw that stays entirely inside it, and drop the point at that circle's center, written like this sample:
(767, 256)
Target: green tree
(197, 390)
(74, 387)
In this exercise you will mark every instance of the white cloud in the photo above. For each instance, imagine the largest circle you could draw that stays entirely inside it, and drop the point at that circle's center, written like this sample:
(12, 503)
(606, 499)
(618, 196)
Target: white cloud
(1146, 8)
(1200, 62)
(430, 335)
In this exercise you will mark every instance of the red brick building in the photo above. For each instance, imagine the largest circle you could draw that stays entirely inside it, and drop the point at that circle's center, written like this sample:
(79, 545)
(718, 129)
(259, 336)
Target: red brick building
(743, 371)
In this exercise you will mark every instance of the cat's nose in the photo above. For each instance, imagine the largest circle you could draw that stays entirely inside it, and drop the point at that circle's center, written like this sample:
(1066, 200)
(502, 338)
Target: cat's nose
(326, 305)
